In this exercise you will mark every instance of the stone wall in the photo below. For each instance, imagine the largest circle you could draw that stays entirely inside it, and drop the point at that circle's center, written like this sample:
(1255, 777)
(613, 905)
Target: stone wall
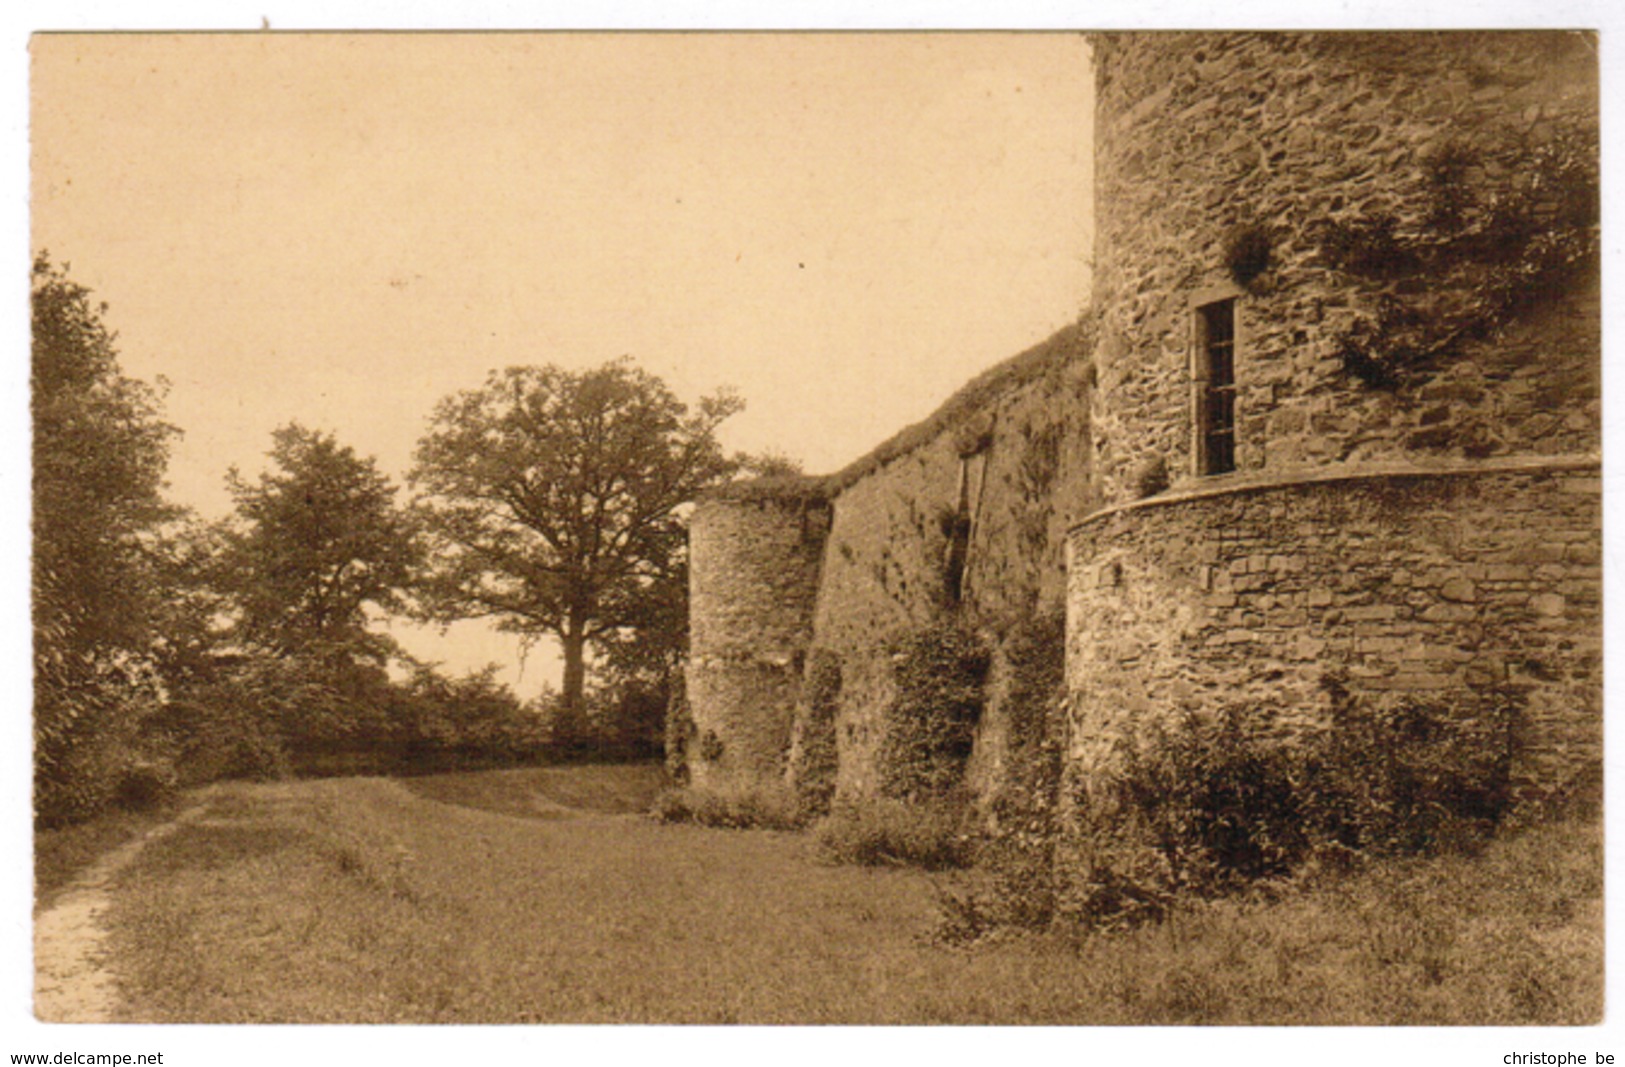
(1430, 529)
(1017, 457)
(1433, 584)
(753, 578)
(1292, 140)
(850, 562)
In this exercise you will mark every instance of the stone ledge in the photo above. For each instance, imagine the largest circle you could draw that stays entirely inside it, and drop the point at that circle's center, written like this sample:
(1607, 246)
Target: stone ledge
(1252, 482)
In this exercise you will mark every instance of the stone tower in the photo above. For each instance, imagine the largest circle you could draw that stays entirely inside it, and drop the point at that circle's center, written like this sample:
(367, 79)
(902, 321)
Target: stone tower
(1348, 304)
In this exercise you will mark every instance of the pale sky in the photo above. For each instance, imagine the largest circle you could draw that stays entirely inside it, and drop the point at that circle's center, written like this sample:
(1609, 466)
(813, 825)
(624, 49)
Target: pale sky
(341, 229)
(229, 214)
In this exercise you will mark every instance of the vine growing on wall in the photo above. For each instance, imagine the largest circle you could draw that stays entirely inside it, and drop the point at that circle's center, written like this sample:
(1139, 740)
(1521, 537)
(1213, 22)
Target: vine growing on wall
(1498, 228)
(814, 758)
(931, 721)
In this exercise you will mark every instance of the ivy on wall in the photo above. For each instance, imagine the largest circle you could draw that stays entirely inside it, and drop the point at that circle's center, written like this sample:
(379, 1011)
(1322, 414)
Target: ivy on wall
(931, 721)
(1499, 226)
(814, 759)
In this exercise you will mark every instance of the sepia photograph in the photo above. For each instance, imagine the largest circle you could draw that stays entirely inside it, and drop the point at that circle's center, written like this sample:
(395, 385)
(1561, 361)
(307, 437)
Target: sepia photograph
(956, 529)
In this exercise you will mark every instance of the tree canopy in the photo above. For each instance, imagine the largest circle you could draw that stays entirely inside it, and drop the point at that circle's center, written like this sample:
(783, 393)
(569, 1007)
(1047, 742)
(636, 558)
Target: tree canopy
(100, 451)
(318, 538)
(553, 495)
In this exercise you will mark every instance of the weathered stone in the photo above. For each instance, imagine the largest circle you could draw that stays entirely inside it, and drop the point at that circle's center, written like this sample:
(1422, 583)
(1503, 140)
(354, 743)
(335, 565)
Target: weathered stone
(1459, 589)
(1419, 580)
(1550, 605)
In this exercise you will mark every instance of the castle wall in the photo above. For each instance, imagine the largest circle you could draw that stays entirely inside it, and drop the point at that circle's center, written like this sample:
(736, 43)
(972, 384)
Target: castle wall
(753, 578)
(1018, 459)
(1414, 507)
(1413, 583)
(1342, 153)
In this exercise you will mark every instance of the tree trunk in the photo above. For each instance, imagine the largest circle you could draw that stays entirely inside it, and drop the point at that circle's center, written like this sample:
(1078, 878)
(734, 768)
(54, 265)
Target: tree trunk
(570, 728)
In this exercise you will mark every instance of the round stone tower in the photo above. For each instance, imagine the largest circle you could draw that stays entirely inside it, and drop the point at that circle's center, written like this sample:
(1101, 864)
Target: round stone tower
(1346, 423)
(754, 557)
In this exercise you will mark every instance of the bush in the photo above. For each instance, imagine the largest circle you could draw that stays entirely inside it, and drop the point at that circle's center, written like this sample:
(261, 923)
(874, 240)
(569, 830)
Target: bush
(1217, 803)
(743, 808)
(1218, 796)
(145, 784)
(92, 725)
(885, 832)
(1411, 776)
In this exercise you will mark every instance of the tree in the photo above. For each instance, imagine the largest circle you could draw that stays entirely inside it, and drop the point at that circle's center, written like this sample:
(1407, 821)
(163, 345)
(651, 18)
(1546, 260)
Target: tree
(100, 451)
(317, 540)
(553, 498)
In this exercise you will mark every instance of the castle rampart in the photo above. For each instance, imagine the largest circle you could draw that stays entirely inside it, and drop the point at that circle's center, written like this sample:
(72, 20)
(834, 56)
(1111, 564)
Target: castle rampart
(1330, 430)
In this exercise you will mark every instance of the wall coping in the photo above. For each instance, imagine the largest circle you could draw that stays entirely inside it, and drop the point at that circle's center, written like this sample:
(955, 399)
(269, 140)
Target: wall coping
(1252, 482)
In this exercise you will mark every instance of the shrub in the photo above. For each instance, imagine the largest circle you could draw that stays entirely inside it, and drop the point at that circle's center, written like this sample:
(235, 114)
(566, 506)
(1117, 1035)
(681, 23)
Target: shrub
(885, 832)
(92, 726)
(1216, 803)
(1410, 776)
(1151, 478)
(761, 807)
(1017, 847)
(1247, 252)
(1217, 797)
(145, 784)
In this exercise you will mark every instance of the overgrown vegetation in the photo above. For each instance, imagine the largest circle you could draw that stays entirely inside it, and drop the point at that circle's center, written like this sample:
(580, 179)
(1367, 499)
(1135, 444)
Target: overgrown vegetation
(1247, 252)
(754, 807)
(930, 724)
(1210, 804)
(813, 755)
(876, 833)
(1499, 227)
(1015, 883)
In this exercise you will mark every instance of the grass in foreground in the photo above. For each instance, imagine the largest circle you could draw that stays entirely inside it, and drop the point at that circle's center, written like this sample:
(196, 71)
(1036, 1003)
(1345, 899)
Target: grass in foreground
(59, 855)
(360, 901)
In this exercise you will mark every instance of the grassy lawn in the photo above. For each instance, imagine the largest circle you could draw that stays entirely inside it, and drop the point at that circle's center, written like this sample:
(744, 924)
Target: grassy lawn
(611, 788)
(59, 855)
(370, 900)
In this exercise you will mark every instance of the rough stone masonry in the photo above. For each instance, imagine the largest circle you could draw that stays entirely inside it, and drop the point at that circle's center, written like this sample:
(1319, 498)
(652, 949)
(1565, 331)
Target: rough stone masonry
(1334, 408)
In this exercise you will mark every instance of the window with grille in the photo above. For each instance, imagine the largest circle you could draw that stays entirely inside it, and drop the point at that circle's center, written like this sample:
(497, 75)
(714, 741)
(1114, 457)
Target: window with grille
(1216, 387)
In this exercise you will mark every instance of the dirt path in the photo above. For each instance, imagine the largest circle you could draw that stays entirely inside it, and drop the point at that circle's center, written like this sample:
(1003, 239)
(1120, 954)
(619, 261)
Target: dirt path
(72, 981)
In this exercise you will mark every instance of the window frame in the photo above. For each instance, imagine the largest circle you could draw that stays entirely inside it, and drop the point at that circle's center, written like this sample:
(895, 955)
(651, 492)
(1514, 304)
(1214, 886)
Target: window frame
(1205, 305)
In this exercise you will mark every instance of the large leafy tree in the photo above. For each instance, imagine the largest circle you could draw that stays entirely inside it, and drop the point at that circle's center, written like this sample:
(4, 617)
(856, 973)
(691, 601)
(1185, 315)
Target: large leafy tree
(318, 541)
(553, 499)
(100, 451)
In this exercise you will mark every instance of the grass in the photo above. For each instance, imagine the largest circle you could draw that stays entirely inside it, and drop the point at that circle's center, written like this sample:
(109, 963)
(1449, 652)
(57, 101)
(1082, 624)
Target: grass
(363, 900)
(750, 808)
(610, 788)
(60, 854)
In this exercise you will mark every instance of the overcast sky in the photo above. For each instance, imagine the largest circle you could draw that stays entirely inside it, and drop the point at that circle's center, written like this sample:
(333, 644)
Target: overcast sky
(342, 229)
